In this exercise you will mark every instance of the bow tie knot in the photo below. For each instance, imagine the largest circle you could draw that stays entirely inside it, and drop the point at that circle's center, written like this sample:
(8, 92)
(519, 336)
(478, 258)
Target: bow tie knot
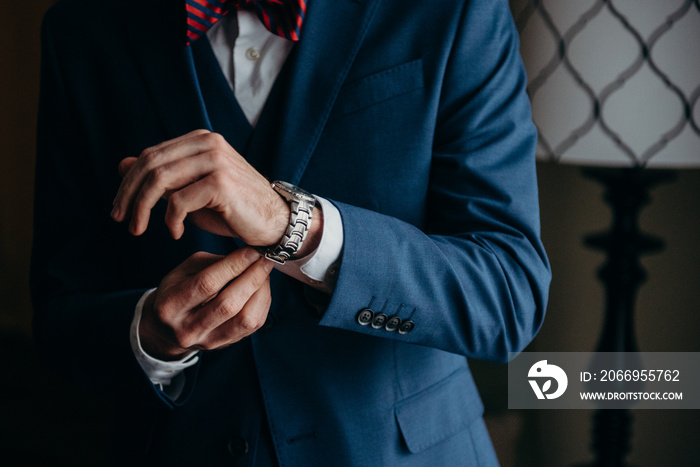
(280, 17)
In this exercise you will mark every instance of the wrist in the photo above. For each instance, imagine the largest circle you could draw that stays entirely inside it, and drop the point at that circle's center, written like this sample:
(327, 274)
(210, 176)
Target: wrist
(313, 236)
(279, 222)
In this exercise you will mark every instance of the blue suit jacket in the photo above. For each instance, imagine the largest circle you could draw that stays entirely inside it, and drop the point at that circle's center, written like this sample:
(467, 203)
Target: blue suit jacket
(412, 118)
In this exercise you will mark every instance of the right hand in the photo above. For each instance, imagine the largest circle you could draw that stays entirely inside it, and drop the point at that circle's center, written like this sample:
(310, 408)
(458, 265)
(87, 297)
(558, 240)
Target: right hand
(190, 311)
(204, 179)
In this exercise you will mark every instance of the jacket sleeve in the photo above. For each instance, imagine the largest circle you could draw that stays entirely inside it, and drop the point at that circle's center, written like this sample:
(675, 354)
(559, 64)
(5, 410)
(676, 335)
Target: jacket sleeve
(474, 280)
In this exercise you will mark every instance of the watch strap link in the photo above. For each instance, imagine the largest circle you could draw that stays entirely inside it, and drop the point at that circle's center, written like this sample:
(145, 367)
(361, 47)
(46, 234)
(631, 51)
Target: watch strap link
(301, 213)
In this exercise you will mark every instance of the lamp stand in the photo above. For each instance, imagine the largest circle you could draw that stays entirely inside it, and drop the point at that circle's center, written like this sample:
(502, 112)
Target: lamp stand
(626, 191)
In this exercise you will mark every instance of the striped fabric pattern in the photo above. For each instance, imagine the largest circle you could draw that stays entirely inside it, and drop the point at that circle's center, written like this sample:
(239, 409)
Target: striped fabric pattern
(281, 17)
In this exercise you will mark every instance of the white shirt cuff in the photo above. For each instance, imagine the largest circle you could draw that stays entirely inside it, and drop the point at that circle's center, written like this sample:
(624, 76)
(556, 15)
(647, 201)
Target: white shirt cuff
(168, 375)
(319, 269)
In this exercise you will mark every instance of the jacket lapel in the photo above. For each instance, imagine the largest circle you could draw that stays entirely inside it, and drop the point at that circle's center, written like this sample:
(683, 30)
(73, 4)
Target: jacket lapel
(157, 39)
(294, 117)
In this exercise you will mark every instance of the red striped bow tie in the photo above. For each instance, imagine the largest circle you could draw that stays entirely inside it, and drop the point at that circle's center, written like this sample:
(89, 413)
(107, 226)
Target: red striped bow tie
(280, 17)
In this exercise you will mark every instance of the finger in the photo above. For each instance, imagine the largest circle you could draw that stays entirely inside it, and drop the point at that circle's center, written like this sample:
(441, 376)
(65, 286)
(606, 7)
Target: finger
(128, 163)
(208, 282)
(195, 264)
(201, 194)
(168, 178)
(163, 153)
(251, 318)
(174, 294)
(231, 300)
(125, 165)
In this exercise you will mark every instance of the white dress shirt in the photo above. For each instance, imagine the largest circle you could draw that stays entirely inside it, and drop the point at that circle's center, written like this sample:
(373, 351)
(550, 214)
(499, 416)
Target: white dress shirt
(250, 57)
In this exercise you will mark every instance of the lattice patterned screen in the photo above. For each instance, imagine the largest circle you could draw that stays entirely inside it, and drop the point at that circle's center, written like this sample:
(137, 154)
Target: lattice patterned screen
(614, 82)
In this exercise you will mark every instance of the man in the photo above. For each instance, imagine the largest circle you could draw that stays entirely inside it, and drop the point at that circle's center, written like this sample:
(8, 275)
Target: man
(409, 124)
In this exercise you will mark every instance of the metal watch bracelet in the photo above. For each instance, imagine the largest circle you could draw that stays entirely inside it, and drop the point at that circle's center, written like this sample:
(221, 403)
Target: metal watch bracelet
(301, 206)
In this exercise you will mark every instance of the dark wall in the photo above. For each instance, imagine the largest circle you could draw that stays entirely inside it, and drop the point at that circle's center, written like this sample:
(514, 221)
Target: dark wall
(19, 83)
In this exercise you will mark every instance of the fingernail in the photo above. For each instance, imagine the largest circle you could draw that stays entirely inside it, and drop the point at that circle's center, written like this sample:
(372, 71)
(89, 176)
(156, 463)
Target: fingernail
(268, 265)
(251, 255)
(115, 212)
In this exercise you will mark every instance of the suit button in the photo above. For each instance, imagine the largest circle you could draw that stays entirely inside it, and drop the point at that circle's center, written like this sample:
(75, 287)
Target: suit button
(237, 447)
(364, 317)
(393, 324)
(406, 327)
(379, 320)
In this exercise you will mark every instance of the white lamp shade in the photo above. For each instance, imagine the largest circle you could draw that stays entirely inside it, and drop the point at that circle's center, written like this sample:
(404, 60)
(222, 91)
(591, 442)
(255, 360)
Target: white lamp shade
(614, 82)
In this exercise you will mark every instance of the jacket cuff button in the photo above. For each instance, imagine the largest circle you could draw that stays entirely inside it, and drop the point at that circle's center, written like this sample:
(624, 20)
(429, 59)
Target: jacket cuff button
(392, 324)
(364, 316)
(406, 327)
(379, 320)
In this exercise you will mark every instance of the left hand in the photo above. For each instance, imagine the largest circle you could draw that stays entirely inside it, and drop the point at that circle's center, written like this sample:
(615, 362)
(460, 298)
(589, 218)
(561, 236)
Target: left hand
(208, 302)
(204, 178)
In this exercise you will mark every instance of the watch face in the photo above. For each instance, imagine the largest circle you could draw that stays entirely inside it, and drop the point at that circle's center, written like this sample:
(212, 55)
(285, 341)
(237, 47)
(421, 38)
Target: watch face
(293, 190)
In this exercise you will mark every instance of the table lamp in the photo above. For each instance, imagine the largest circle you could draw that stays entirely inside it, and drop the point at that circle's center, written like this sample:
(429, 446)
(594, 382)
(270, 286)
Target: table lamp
(615, 88)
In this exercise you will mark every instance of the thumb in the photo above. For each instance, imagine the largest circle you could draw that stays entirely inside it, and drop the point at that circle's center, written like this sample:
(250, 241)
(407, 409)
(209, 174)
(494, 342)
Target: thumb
(125, 165)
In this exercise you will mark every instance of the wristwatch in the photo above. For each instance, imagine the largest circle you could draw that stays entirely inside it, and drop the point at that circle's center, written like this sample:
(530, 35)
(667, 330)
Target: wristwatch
(301, 206)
